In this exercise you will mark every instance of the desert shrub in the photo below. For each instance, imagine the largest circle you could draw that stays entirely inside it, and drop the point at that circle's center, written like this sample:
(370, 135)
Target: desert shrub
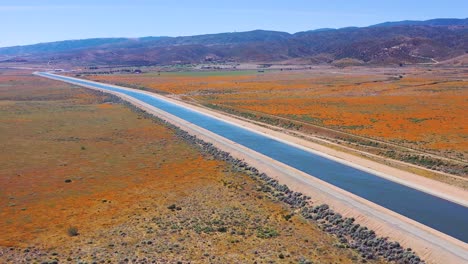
(267, 232)
(222, 229)
(72, 231)
(287, 217)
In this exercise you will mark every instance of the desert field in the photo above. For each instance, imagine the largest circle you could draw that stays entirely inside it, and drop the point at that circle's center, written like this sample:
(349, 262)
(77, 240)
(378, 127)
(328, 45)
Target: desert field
(86, 179)
(413, 114)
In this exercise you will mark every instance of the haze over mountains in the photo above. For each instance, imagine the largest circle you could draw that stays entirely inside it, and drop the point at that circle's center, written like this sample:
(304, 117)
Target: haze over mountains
(386, 43)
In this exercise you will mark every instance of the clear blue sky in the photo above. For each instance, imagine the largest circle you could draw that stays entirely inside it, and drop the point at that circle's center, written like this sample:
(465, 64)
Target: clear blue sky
(32, 21)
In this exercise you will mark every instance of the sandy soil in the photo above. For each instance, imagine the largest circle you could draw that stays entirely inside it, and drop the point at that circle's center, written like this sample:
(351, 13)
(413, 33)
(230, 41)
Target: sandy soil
(428, 243)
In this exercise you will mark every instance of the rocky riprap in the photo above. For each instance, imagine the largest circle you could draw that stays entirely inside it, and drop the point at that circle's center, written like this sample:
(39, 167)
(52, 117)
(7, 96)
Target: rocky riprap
(349, 234)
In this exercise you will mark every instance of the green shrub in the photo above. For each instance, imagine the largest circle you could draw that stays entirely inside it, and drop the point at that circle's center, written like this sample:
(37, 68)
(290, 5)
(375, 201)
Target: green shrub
(267, 232)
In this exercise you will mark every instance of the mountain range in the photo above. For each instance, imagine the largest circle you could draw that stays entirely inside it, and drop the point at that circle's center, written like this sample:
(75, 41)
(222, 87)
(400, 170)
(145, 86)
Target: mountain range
(386, 43)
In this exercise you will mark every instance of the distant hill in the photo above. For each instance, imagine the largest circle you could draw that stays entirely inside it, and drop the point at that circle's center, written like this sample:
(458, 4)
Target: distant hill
(432, 22)
(386, 43)
(102, 43)
(60, 46)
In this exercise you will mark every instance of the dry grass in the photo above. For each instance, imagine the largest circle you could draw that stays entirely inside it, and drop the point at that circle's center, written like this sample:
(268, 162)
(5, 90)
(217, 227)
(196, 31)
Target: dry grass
(72, 158)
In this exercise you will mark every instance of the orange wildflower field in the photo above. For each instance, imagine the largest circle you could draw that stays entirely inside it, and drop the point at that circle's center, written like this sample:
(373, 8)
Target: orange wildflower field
(86, 179)
(421, 108)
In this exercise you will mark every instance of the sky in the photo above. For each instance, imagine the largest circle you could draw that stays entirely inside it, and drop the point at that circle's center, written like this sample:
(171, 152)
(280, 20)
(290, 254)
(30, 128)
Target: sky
(33, 21)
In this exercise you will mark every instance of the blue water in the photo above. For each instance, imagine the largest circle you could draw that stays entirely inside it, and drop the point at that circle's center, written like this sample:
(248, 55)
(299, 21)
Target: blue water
(447, 217)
